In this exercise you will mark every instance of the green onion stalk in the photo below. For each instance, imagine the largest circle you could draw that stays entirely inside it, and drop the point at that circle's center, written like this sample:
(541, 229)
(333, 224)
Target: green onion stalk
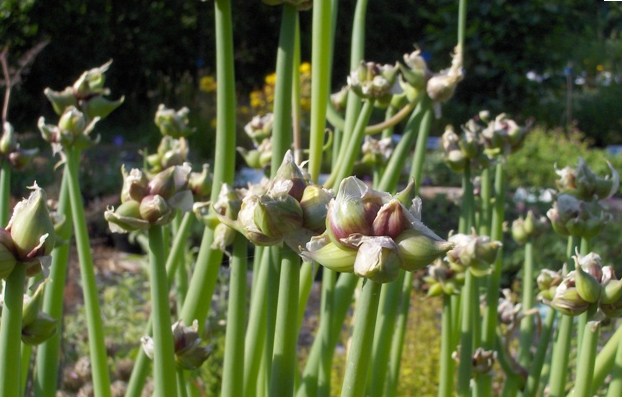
(203, 282)
(11, 332)
(535, 367)
(233, 376)
(174, 261)
(418, 124)
(527, 323)
(97, 347)
(46, 367)
(585, 365)
(164, 372)
(359, 355)
(607, 361)
(256, 330)
(561, 347)
(469, 301)
(615, 387)
(494, 281)
(285, 338)
(584, 249)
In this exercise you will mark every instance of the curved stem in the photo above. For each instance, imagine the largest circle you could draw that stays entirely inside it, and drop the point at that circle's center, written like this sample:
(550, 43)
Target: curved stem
(358, 358)
(163, 355)
(99, 359)
(11, 332)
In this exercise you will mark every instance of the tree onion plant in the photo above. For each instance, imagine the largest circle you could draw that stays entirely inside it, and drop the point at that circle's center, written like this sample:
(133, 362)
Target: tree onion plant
(314, 210)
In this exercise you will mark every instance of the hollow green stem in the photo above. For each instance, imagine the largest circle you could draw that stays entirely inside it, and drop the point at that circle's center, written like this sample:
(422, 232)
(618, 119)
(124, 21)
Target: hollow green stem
(561, 354)
(469, 304)
(256, 330)
(320, 82)
(358, 357)
(585, 248)
(46, 367)
(527, 324)
(346, 163)
(467, 211)
(585, 366)
(99, 360)
(5, 192)
(445, 387)
(607, 360)
(328, 290)
(285, 336)
(615, 387)
(181, 383)
(233, 376)
(535, 368)
(494, 280)
(11, 332)
(163, 355)
(485, 213)
(418, 125)
(344, 290)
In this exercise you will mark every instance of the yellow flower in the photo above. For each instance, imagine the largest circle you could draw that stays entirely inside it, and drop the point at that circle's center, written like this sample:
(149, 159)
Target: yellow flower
(213, 123)
(207, 84)
(600, 68)
(270, 79)
(305, 68)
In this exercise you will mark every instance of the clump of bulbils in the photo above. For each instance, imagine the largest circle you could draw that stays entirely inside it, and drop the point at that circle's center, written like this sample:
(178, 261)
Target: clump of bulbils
(376, 152)
(442, 279)
(591, 286)
(189, 353)
(441, 86)
(289, 209)
(527, 228)
(11, 151)
(482, 360)
(173, 123)
(29, 237)
(374, 81)
(481, 140)
(228, 205)
(577, 210)
(373, 234)
(472, 252)
(259, 130)
(37, 326)
(80, 107)
(146, 202)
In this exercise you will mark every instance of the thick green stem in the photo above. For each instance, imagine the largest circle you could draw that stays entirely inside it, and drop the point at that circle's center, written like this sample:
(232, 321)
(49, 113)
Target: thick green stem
(11, 332)
(346, 163)
(174, 261)
(561, 355)
(535, 368)
(46, 367)
(5, 192)
(469, 305)
(99, 359)
(615, 387)
(486, 208)
(398, 337)
(494, 280)
(344, 289)
(256, 330)
(233, 376)
(163, 355)
(527, 324)
(383, 334)
(358, 357)
(285, 336)
(320, 82)
(445, 387)
(606, 358)
(585, 366)
(328, 290)
(585, 248)
(181, 383)
(467, 212)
